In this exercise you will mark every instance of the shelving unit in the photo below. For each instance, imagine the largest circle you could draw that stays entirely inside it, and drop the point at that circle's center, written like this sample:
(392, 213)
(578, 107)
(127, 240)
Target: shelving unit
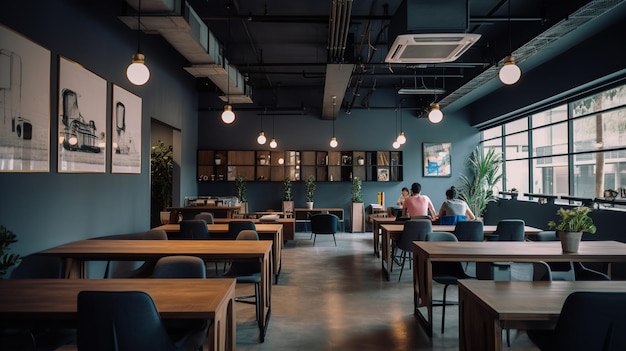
(273, 165)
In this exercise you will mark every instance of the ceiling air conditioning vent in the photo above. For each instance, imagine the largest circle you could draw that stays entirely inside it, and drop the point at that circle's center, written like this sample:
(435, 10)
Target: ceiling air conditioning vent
(429, 48)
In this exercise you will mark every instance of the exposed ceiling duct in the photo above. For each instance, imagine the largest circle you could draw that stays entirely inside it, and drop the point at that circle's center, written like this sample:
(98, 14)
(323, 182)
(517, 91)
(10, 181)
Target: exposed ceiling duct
(422, 35)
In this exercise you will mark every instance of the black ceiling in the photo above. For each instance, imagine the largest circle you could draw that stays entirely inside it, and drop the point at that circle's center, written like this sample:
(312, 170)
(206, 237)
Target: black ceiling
(282, 46)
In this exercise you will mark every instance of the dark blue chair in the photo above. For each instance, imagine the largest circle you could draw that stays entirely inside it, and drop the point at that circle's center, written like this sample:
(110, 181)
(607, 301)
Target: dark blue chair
(194, 229)
(588, 321)
(414, 230)
(324, 223)
(234, 227)
(469, 231)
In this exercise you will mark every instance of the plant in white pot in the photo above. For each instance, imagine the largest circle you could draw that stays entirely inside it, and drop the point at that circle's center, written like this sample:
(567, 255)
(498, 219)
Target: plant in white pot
(309, 191)
(573, 223)
(287, 197)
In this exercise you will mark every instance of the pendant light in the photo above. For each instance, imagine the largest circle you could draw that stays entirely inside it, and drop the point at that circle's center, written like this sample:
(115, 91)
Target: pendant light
(137, 72)
(273, 143)
(228, 116)
(401, 139)
(509, 73)
(395, 144)
(435, 115)
(333, 140)
(261, 139)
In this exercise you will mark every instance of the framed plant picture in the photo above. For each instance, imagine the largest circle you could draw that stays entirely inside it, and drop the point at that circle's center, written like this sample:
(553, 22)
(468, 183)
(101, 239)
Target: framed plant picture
(436, 159)
(24, 104)
(82, 119)
(126, 132)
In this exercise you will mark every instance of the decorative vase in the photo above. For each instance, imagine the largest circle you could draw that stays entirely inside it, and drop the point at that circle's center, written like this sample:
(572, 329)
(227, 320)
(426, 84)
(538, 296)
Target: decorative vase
(309, 205)
(361, 162)
(570, 240)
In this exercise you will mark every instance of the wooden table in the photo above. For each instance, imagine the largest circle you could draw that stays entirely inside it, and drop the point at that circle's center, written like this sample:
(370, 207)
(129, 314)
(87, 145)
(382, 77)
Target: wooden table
(189, 211)
(289, 224)
(486, 306)
(377, 220)
(425, 253)
(266, 231)
(79, 252)
(393, 231)
(52, 302)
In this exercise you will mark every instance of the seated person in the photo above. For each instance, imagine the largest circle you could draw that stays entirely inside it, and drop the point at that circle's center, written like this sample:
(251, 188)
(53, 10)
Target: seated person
(418, 205)
(403, 196)
(453, 206)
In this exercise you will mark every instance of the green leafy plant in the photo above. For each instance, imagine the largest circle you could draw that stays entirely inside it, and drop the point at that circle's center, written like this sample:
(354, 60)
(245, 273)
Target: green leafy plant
(7, 260)
(477, 188)
(240, 188)
(287, 189)
(162, 168)
(309, 185)
(357, 190)
(574, 220)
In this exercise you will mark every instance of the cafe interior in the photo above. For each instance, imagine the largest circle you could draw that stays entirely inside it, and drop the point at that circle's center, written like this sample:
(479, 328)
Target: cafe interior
(271, 90)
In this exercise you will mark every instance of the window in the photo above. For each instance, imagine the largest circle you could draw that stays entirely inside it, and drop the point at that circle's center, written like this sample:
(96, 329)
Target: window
(578, 148)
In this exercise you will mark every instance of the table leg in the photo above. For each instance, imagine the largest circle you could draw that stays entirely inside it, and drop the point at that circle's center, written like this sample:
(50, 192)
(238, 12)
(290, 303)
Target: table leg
(222, 335)
(75, 269)
(423, 289)
(376, 233)
(386, 254)
(266, 296)
(478, 330)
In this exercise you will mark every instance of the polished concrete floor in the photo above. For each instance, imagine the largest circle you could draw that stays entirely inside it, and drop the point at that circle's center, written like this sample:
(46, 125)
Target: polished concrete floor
(334, 298)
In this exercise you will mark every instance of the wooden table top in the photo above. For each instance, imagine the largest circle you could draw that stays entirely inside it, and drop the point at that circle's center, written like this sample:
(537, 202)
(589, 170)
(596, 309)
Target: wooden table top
(223, 227)
(138, 250)
(521, 251)
(487, 229)
(530, 300)
(27, 299)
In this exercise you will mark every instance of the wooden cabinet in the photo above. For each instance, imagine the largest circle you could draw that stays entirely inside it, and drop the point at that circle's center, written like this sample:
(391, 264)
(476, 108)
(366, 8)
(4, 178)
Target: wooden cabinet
(273, 165)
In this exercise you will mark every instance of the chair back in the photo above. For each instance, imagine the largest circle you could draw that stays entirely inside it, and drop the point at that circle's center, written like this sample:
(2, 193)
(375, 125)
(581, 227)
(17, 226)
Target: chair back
(414, 230)
(440, 236)
(38, 266)
(592, 321)
(132, 269)
(235, 227)
(180, 267)
(246, 267)
(510, 230)
(208, 217)
(445, 270)
(469, 231)
(195, 229)
(120, 320)
(324, 223)
(452, 220)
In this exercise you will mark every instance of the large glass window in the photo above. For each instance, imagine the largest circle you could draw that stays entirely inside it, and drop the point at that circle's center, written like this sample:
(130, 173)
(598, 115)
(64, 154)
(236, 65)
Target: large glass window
(590, 133)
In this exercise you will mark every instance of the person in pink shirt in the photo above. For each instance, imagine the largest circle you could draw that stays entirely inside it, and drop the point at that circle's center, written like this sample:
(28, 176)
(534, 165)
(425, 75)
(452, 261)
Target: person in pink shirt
(418, 204)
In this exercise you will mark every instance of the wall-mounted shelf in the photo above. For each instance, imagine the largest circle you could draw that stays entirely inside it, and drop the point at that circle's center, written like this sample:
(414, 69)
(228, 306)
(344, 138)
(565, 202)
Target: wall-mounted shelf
(271, 165)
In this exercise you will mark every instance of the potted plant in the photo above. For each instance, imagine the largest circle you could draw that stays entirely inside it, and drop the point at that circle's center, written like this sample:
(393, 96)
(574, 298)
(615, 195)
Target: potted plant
(7, 260)
(162, 170)
(287, 198)
(309, 185)
(240, 189)
(356, 208)
(574, 221)
(360, 160)
(477, 188)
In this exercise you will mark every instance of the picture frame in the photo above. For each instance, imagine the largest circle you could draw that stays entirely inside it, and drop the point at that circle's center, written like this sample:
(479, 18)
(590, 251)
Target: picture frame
(126, 113)
(383, 174)
(436, 159)
(24, 104)
(82, 119)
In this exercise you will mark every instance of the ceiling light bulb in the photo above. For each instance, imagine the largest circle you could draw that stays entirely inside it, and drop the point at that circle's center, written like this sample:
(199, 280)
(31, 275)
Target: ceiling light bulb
(435, 115)
(137, 72)
(395, 144)
(273, 143)
(333, 142)
(281, 161)
(228, 116)
(401, 138)
(261, 139)
(509, 73)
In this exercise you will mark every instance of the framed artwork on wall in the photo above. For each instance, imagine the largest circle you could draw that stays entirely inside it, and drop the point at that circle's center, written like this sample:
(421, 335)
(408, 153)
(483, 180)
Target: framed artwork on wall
(24, 104)
(82, 119)
(126, 131)
(436, 159)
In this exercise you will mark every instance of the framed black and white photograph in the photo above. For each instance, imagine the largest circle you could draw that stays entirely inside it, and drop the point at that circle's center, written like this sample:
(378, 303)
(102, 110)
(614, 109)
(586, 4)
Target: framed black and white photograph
(436, 158)
(126, 131)
(24, 104)
(82, 119)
